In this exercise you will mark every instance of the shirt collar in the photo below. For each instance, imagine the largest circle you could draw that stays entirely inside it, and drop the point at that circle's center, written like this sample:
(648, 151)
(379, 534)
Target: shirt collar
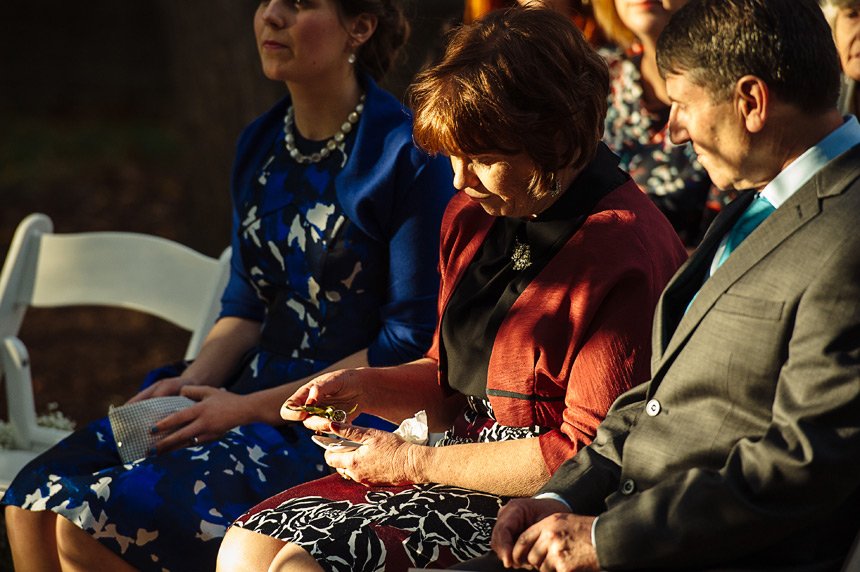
(784, 185)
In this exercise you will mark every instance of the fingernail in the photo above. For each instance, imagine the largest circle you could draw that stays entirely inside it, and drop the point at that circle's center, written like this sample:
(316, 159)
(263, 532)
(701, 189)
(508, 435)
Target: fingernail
(154, 429)
(335, 425)
(153, 450)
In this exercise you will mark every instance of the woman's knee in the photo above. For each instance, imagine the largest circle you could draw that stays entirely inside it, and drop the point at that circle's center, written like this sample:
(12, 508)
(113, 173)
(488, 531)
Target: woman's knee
(28, 518)
(80, 551)
(246, 551)
(69, 539)
(32, 538)
(293, 558)
(30, 527)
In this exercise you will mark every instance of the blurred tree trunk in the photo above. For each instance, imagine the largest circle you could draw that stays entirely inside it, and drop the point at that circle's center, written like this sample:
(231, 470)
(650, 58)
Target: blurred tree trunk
(219, 88)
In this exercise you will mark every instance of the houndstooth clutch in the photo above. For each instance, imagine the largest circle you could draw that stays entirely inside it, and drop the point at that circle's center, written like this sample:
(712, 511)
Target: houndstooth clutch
(132, 424)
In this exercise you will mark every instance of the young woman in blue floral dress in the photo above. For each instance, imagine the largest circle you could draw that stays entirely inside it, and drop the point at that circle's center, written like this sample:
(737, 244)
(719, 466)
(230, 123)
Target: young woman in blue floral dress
(336, 215)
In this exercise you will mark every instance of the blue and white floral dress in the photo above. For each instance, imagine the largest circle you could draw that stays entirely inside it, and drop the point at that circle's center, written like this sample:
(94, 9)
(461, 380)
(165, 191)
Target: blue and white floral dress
(331, 258)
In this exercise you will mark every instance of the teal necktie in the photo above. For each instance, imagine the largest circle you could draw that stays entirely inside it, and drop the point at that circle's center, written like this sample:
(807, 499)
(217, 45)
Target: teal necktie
(758, 210)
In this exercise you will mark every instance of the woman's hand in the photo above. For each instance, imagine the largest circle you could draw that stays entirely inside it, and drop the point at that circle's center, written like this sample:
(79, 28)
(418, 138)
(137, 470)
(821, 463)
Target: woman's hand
(215, 413)
(340, 389)
(164, 387)
(383, 458)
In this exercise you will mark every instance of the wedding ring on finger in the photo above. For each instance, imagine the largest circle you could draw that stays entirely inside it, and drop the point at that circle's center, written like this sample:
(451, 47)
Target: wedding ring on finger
(343, 474)
(195, 440)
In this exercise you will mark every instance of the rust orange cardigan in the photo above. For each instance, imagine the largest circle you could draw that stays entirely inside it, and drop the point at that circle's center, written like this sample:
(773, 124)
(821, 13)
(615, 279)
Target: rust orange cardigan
(580, 333)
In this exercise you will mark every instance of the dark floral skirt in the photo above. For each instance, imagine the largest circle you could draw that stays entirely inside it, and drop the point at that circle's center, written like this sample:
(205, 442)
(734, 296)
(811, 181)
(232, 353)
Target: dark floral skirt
(348, 527)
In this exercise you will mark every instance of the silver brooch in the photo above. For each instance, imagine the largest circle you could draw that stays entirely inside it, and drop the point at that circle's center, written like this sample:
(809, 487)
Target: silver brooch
(522, 256)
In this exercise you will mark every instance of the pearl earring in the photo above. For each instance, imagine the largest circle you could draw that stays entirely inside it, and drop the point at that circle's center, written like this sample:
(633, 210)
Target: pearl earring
(351, 58)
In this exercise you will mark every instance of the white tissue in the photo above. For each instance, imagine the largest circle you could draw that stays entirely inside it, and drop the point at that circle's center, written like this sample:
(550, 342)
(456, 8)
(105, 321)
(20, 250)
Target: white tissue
(415, 429)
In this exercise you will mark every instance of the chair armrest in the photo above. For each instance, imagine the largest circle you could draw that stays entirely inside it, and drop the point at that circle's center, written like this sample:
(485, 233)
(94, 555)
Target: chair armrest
(15, 366)
(10, 463)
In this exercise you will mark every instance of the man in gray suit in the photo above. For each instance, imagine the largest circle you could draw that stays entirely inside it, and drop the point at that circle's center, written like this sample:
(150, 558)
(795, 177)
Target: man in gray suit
(743, 451)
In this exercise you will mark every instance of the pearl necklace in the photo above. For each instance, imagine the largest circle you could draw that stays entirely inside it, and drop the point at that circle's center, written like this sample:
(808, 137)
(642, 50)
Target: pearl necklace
(331, 145)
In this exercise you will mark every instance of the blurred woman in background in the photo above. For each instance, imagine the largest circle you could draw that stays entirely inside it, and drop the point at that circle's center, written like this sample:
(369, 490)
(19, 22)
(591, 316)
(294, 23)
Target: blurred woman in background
(844, 18)
(637, 120)
(578, 10)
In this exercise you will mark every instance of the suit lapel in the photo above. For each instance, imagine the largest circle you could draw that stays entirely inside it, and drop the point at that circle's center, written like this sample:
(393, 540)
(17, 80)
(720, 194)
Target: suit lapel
(687, 281)
(798, 210)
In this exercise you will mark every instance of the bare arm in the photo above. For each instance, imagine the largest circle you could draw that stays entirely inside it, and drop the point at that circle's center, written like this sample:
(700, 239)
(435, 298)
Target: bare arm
(264, 406)
(397, 393)
(229, 339)
(478, 466)
(507, 468)
(393, 393)
(219, 411)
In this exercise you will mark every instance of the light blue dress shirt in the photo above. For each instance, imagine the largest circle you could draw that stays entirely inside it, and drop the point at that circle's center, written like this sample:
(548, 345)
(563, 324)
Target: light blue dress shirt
(790, 179)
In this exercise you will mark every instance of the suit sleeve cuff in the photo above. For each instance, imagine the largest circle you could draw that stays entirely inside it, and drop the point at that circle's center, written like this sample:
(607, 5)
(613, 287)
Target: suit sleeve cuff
(553, 496)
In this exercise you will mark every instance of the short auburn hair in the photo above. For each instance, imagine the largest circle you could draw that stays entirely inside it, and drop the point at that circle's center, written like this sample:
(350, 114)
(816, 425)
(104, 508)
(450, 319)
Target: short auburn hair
(523, 79)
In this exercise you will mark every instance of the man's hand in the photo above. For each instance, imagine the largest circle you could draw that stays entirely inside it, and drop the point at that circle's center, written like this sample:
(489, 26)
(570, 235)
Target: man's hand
(542, 534)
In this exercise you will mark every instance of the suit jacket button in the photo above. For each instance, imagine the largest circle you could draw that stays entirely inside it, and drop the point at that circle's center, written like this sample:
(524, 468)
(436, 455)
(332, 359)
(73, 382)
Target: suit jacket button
(627, 487)
(653, 408)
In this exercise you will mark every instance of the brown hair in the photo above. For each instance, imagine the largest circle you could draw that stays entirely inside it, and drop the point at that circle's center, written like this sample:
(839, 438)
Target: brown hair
(607, 18)
(515, 80)
(719, 41)
(380, 51)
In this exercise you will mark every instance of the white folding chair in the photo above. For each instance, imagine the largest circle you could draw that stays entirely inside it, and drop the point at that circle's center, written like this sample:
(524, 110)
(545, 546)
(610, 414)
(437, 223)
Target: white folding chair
(852, 563)
(120, 269)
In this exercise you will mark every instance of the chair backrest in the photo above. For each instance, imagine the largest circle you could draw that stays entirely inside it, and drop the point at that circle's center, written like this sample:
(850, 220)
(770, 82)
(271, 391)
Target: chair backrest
(120, 269)
(852, 563)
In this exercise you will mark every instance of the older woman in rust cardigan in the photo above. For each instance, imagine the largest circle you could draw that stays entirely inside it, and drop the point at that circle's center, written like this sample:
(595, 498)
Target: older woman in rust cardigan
(552, 261)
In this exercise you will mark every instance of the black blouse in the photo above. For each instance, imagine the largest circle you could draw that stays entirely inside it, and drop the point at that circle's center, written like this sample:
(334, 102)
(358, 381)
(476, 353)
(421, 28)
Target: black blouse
(491, 285)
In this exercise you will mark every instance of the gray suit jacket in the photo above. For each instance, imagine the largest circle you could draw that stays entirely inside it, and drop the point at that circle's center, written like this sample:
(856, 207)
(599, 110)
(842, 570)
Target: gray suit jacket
(743, 451)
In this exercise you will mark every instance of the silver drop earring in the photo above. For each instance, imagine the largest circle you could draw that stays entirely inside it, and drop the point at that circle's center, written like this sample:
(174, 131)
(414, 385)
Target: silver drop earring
(351, 58)
(556, 189)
